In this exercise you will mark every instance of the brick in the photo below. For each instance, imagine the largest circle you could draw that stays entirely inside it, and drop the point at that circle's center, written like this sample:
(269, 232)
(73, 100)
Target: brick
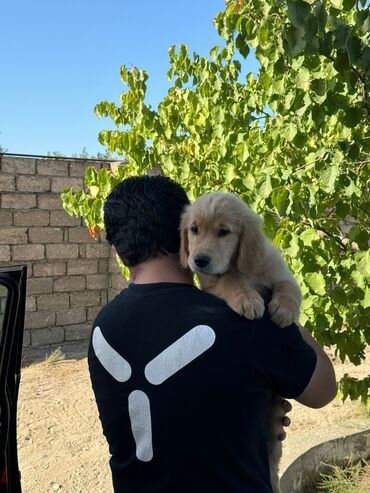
(43, 269)
(31, 218)
(77, 332)
(82, 251)
(71, 316)
(6, 218)
(112, 293)
(98, 250)
(113, 266)
(7, 183)
(28, 252)
(30, 304)
(61, 218)
(92, 313)
(50, 201)
(52, 167)
(104, 297)
(82, 266)
(80, 235)
(13, 236)
(33, 183)
(40, 285)
(60, 251)
(78, 168)
(86, 298)
(4, 253)
(40, 337)
(103, 266)
(58, 184)
(97, 281)
(70, 283)
(45, 235)
(118, 282)
(18, 201)
(39, 320)
(26, 338)
(18, 165)
(55, 301)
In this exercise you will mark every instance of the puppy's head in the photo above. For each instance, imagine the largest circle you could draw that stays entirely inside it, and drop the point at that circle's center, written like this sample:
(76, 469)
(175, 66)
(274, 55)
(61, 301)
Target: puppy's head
(219, 233)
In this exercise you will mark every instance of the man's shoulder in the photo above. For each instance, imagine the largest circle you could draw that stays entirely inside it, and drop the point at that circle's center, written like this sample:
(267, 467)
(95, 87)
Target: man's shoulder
(114, 305)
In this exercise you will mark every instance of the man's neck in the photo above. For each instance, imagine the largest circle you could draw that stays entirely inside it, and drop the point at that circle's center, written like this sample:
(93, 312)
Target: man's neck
(165, 268)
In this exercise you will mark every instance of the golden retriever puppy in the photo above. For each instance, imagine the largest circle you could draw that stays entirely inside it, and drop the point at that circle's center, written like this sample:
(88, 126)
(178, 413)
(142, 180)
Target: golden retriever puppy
(222, 242)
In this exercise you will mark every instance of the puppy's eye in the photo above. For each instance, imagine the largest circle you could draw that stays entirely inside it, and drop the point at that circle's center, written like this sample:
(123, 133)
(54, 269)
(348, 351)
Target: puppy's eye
(222, 232)
(194, 230)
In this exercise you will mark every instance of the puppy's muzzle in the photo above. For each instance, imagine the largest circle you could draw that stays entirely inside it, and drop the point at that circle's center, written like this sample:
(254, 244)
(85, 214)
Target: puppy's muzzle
(202, 261)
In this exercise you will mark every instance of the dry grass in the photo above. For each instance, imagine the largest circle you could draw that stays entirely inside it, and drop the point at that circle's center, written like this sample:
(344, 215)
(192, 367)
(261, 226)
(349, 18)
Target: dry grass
(351, 479)
(54, 357)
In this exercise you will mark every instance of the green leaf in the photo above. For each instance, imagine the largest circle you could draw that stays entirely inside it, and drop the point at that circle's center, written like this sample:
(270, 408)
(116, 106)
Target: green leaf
(289, 131)
(365, 303)
(362, 260)
(242, 151)
(318, 86)
(329, 175)
(308, 236)
(242, 46)
(342, 209)
(349, 4)
(295, 39)
(218, 114)
(338, 4)
(229, 173)
(280, 199)
(94, 190)
(303, 79)
(298, 12)
(90, 176)
(354, 50)
(214, 51)
(265, 188)
(316, 282)
(338, 295)
(293, 248)
(353, 116)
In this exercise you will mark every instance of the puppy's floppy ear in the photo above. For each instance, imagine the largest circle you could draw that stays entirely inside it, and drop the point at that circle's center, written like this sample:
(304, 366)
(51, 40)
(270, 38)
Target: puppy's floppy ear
(184, 241)
(251, 243)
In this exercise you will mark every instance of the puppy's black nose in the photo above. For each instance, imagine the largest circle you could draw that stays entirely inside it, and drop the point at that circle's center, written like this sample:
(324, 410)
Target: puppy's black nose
(202, 260)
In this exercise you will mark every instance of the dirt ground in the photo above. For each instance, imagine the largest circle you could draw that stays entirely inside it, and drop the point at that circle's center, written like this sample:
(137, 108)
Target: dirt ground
(61, 446)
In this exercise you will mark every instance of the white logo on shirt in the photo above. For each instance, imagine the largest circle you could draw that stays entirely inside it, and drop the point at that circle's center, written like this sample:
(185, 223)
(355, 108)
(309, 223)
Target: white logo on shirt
(159, 369)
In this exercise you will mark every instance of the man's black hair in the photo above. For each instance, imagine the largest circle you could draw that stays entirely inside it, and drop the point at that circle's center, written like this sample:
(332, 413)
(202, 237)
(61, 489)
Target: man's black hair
(142, 217)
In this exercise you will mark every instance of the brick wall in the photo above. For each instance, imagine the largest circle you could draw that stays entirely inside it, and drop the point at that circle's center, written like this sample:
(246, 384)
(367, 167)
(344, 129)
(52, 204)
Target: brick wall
(70, 275)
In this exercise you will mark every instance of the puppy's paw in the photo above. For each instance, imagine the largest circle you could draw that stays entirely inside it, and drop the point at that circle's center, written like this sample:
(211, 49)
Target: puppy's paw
(248, 304)
(283, 310)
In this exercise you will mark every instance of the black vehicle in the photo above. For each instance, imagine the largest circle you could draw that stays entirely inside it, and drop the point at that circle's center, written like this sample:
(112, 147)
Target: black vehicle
(12, 309)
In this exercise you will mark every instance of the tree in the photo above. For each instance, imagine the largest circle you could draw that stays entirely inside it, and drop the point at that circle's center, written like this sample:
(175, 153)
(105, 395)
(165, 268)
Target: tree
(293, 141)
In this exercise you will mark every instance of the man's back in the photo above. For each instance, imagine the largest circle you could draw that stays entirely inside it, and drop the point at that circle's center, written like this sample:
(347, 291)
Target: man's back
(183, 386)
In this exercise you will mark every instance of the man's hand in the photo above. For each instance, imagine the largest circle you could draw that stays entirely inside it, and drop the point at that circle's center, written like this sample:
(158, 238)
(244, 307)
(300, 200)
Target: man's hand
(285, 421)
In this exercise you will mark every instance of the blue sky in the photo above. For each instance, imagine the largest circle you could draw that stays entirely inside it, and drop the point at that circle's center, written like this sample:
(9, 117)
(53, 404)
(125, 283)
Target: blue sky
(60, 58)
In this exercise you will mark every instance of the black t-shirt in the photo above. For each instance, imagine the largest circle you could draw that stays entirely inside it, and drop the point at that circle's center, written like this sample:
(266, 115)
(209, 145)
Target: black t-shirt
(183, 385)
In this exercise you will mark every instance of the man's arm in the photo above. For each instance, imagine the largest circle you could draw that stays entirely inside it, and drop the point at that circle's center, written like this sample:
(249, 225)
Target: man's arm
(322, 387)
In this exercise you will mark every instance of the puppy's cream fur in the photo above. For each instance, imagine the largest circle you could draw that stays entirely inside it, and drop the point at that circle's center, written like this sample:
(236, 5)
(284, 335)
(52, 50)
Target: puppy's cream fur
(243, 263)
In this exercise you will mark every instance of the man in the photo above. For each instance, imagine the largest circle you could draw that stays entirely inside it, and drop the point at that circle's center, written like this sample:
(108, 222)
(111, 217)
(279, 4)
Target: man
(182, 383)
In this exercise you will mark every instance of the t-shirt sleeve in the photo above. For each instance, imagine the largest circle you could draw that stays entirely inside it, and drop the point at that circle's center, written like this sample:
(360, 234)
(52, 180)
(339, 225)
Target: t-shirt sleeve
(287, 359)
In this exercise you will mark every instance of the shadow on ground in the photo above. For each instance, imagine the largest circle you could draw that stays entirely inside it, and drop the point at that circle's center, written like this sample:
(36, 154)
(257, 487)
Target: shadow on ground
(71, 350)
